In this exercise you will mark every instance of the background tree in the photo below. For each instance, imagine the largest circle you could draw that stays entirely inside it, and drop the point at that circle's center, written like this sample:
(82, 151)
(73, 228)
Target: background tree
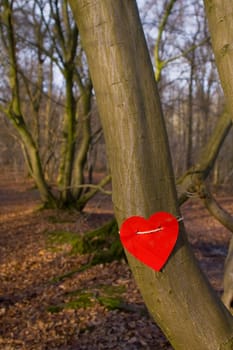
(174, 29)
(191, 96)
(178, 297)
(50, 128)
(13, 108)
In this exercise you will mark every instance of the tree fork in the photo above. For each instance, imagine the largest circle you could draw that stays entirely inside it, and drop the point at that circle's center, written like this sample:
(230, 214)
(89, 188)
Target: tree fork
(179, 297)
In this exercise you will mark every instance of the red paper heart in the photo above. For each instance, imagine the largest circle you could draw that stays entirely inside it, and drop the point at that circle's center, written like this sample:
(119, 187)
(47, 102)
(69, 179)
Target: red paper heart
(150, 241)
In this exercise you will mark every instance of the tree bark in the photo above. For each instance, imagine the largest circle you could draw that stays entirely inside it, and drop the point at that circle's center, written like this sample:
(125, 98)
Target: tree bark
(189, 154)
(219, 15)
(68, 145)
(84, 136)
(179, 297)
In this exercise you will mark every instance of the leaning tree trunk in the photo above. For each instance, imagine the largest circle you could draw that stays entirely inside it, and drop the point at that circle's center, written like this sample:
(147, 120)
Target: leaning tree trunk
(219, 15)
(179, 297)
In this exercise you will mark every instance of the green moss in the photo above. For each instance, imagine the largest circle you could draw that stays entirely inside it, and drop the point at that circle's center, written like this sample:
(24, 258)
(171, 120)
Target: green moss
(66, 275)
(58, 238)
(103, 245)
(106, 295)
(110, 303)
(54, 308)
(112, 290)
(111, 296)
(102, 289)
(83, 300)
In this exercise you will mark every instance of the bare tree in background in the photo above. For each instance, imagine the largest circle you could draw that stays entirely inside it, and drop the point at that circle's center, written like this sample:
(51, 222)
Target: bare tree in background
(49, 126)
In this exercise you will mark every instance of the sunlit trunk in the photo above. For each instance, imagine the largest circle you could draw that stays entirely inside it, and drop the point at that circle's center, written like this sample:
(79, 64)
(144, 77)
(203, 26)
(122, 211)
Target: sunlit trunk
(179, 297)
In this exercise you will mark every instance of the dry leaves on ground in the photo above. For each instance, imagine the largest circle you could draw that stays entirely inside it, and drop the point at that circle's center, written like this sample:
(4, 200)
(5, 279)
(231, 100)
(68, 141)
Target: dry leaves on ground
(37, 313)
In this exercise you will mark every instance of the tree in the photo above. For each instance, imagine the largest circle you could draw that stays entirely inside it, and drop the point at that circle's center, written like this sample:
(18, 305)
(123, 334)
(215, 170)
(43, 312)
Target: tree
(200, 92)
(179, 297)
(52, 41)
(14, 110)
(178, 39)
(220, 26)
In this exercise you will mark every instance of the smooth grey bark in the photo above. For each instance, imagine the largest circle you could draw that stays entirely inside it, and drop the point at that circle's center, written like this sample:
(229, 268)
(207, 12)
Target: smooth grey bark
(179, 297)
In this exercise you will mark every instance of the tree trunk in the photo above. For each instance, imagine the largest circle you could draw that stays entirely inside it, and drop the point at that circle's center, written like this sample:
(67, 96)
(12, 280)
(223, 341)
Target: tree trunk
(219, 15)
(84, 107)
(34, 164)
(14, 113)
(68, 146)
(179, 297)
(189, 155)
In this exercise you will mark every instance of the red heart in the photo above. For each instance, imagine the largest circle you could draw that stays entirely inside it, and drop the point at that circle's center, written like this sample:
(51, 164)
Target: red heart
(150, 241)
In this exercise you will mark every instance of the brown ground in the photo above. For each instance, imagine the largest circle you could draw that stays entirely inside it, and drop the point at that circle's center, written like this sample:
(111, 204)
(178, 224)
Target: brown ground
(28, 265)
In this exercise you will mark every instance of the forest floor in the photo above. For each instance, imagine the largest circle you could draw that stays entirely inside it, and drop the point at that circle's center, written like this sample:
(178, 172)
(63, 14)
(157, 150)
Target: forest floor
(39, 312)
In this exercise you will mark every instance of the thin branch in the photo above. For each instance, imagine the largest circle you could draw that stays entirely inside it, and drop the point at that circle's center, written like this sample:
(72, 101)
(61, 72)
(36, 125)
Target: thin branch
(159, 64)
(96, 188)
(199, 172)
(187, 51)
(214, 208)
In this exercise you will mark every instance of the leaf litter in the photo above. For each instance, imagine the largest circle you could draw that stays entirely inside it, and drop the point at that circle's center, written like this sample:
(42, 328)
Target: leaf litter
(98, 308)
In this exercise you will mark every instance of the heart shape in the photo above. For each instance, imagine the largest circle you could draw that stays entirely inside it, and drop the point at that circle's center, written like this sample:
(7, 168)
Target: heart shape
(150, 241)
